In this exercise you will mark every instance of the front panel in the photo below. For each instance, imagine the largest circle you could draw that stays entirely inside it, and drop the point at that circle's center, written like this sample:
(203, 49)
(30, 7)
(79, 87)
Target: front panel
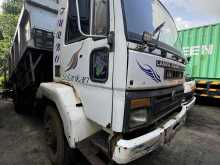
(149, 71)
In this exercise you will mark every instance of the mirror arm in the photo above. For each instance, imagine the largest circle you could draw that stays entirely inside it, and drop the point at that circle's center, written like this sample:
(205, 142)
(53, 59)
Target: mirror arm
(111, 40)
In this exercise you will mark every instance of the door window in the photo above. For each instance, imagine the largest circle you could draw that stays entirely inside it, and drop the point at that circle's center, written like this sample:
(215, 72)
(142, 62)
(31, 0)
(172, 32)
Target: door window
(99, 65)
(100, 25)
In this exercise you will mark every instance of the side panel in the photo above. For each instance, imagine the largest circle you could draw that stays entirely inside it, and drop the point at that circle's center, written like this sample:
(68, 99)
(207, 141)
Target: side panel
(202, 44)
(73, 60)
(52, 4)
(41, 18)
(76, 126)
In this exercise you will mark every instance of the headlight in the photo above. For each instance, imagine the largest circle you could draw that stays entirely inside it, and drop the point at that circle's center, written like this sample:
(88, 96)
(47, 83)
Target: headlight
(189, 87)
(138, 112)
(137, 118)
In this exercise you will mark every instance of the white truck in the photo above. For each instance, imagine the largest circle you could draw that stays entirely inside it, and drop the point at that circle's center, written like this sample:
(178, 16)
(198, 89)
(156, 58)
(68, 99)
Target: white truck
(107, 74)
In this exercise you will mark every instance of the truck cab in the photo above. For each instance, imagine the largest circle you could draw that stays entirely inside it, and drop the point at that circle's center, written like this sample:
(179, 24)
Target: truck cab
(99, 49)
(118, 76)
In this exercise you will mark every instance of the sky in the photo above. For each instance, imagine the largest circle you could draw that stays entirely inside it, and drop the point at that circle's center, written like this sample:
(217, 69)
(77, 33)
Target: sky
(191, 13)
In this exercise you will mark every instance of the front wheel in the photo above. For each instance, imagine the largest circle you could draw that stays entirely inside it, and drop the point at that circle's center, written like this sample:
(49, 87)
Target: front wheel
(58, 149)
(19, 105)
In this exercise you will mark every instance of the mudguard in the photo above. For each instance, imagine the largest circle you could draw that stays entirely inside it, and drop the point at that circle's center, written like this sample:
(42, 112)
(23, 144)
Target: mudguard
(76, 126)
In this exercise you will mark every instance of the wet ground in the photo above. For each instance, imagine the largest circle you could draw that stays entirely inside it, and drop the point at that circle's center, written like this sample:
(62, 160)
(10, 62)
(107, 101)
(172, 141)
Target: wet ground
(198, 143)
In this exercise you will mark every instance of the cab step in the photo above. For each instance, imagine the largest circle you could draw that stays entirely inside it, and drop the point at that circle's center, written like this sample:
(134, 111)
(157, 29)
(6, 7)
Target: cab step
(95, 148)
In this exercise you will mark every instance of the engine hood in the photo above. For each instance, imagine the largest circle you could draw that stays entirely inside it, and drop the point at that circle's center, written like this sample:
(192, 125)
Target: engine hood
(148, 71)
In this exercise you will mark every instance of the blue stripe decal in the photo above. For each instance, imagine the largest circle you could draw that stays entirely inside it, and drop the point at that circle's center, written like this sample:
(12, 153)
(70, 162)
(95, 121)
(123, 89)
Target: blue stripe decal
(150, 72)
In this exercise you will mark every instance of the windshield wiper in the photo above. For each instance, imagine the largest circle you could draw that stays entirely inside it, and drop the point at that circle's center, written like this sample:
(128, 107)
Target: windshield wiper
(149, 40)
(148, 37)
(158, 29)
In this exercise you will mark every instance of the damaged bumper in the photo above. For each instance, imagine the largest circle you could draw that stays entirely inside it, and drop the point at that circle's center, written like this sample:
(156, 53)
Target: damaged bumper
(190, 103)
(129, 150)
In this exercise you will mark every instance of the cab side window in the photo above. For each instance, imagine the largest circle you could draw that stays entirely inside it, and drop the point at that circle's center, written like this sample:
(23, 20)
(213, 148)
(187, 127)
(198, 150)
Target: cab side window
(72, 31)
(99, 65)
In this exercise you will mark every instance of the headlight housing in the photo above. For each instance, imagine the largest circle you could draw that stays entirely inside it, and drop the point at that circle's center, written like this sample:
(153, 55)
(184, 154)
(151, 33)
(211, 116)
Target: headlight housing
(137, 118)
(138, 112)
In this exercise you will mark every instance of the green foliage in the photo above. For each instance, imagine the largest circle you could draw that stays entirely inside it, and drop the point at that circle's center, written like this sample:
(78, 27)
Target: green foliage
(8, 22)
(1, 81)
(12, 7)
(1, 35)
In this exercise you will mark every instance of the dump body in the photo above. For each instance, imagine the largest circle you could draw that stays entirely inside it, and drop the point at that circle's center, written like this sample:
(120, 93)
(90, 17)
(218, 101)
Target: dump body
(202, 44)
(35, 29)
(31, 54)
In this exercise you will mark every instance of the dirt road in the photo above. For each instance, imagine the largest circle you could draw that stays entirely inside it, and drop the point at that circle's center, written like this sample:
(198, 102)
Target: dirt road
(198, 143)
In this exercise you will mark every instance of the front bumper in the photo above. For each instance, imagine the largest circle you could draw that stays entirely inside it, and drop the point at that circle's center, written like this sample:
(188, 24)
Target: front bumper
(129, 150)
(190, 103)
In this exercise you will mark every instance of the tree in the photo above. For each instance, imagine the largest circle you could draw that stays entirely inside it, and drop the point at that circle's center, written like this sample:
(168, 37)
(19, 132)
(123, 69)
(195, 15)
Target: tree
(1, 35)
(12, 7)
(8, 22)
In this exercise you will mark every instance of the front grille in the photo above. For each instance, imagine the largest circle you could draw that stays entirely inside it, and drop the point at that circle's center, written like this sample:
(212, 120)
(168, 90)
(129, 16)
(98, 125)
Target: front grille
(166, 103)
(172, 74)
(163, 103)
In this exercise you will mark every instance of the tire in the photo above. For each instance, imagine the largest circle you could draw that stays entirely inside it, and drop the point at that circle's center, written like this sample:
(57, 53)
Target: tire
(19, 106)
(57, 146)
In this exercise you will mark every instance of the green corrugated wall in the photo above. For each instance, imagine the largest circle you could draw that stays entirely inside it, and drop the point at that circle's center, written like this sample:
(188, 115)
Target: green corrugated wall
(203, 45)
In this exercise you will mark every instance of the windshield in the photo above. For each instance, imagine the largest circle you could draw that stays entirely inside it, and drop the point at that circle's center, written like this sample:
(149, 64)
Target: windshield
(145, 16)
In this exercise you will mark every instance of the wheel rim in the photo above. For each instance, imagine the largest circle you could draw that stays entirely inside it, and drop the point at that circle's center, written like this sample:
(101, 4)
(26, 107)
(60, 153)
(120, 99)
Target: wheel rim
(51, 137)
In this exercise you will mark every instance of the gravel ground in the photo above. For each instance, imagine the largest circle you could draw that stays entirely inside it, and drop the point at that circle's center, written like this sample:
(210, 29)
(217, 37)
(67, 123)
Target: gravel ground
(198, 143)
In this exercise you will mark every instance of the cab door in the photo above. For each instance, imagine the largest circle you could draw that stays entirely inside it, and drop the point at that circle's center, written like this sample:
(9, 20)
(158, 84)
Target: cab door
(86, 60)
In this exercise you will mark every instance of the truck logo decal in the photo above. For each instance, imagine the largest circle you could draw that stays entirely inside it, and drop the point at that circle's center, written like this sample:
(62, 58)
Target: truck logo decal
(59, 34)
(60, 23)
(150, 72)
(76, 78)
(74, 60)
(62, 10)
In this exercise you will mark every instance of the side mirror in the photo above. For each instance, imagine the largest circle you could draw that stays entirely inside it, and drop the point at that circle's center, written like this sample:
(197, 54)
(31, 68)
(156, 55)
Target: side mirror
(79, 24)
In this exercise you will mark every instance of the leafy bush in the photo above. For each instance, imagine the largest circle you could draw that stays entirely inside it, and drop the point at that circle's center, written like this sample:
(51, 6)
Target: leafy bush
(8, 22)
